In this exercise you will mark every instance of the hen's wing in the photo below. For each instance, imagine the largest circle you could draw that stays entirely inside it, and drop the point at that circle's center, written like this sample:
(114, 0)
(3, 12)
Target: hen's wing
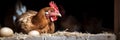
(24, 21)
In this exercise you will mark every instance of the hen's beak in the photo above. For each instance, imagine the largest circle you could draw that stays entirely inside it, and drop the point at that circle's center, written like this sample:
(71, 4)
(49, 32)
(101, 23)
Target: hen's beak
(59, 15)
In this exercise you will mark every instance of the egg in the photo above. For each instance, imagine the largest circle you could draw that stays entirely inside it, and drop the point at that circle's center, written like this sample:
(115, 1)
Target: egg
(6, 32)
(34, 33)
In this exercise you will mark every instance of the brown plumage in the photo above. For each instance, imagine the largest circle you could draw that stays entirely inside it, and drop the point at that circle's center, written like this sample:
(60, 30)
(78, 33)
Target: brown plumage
(32, 20)
(40, 21)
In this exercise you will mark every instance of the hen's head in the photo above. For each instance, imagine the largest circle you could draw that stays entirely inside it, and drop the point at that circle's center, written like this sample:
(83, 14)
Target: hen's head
(54, 12)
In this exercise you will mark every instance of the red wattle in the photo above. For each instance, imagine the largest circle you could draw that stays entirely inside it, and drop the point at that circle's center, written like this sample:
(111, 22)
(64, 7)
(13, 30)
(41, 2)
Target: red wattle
(54, 18)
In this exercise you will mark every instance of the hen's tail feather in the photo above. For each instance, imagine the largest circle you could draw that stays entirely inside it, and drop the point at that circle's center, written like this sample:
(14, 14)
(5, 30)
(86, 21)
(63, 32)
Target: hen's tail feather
(19, 9)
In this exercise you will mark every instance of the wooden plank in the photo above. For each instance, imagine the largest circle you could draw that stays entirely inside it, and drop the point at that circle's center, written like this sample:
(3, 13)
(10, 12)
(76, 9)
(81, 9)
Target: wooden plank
(64, 36)
(117, 18)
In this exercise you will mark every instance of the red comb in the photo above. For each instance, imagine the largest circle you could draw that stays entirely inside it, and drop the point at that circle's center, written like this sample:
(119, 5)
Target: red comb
(54, 6)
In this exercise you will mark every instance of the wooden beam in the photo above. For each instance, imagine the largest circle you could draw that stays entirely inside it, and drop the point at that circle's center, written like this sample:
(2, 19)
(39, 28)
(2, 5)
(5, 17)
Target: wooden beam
(116, 16)
(63, 36)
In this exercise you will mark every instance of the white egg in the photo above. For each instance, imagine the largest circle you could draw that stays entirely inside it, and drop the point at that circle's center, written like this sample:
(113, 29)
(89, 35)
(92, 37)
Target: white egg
(6, 32)
(34, 33)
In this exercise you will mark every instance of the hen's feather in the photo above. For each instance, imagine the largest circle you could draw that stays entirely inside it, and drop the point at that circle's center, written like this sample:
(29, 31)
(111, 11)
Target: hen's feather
(24, 21)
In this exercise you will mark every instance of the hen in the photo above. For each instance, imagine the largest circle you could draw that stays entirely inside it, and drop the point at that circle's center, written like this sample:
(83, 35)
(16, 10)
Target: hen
(42, 21)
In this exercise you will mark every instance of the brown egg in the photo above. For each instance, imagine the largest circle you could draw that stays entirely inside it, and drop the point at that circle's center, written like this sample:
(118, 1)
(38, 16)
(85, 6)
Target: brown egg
(6, 32)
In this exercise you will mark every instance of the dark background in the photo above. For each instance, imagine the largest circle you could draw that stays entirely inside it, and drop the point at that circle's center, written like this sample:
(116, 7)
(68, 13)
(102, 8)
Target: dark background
(103, 9)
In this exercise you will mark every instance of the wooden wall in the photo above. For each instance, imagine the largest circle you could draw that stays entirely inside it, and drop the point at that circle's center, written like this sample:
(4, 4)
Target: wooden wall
(117, 17)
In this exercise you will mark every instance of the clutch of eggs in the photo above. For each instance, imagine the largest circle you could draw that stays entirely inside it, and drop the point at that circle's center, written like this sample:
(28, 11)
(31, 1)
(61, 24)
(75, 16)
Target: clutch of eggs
(6, 32)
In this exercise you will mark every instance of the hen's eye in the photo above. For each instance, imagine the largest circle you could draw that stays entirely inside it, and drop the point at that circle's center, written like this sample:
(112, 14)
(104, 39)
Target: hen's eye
(46, 12)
